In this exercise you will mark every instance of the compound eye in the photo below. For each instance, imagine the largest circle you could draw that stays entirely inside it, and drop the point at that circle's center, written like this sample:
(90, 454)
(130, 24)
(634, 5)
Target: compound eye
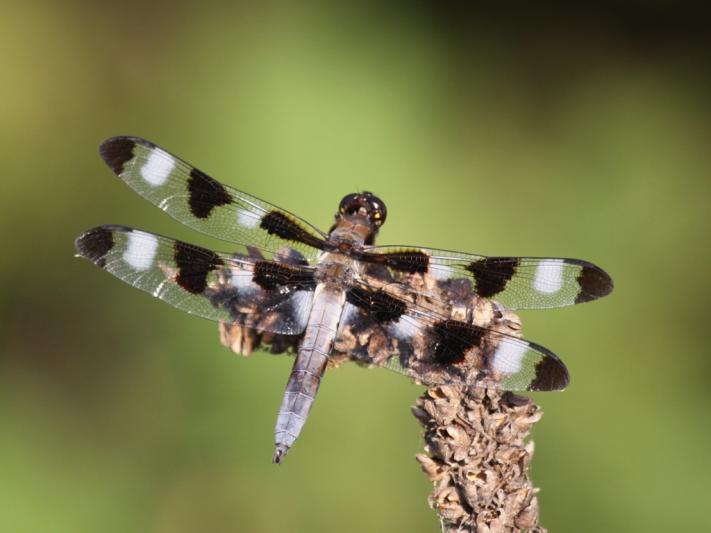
(349, 204)
(379, 211)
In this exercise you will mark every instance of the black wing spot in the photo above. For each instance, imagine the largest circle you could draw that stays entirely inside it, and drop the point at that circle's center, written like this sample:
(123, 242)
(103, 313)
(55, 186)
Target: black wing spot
(279, 224)
(270, 276)
(194, 264)
(116, 151)
(379, 306)
(413, 262)
(594, 283)
(551, 374)
(492, 274)
(410, 261)
(95, 244)
(205, 194)
(452, 340)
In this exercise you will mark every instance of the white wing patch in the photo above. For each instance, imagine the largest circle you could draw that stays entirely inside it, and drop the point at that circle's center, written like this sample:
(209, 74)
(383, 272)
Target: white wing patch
(141, 250)
(348, 314)
(302, 301)
(158, 167)
(405, 328)
(509, 356)
(441, 272)
(549, 277)
(247, 219)
(242, 279)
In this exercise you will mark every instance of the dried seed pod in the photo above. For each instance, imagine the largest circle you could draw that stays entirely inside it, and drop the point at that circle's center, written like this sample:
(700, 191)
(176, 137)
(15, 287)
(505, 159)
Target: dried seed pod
(478, 459)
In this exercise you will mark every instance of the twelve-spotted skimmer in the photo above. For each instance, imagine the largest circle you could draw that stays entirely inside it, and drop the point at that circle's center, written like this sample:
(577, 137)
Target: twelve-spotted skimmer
(439, 317)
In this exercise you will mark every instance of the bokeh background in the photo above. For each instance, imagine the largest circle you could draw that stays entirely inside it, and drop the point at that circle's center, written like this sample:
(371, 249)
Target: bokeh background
(522, 131)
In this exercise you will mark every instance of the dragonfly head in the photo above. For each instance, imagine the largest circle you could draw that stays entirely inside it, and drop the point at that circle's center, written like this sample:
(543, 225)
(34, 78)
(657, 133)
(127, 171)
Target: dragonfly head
(364, 204)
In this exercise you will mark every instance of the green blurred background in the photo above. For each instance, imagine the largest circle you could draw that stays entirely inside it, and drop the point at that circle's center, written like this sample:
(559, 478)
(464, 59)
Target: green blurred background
(524, 131)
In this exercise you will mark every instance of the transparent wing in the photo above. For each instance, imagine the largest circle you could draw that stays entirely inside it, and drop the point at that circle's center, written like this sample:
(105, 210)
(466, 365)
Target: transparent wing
(257, 293)
(516, 282)
(201, 202)
(378, 328)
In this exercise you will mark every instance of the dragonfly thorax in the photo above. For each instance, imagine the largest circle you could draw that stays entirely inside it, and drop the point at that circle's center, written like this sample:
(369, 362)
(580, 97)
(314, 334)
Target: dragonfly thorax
(336, 270)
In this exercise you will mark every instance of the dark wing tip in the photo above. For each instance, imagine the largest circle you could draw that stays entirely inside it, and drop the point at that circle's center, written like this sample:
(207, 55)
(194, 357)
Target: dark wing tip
(594, 283)
(94, 244)
(115, 151)
(551, 373)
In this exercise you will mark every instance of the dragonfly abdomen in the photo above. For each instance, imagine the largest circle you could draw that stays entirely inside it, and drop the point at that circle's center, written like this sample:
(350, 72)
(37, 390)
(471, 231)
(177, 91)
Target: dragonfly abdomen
(308, 369)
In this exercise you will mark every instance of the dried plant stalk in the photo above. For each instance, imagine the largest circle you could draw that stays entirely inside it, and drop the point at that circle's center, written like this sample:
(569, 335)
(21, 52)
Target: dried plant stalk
(477, 457)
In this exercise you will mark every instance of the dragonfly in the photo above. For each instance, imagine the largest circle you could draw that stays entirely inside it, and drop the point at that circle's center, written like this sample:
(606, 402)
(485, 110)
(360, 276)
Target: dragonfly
(439, 317)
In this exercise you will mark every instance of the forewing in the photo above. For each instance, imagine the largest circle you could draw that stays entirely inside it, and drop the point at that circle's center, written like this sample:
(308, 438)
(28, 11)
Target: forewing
(516, 282)
(201, 202)
(380, 329)
(257, 293)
